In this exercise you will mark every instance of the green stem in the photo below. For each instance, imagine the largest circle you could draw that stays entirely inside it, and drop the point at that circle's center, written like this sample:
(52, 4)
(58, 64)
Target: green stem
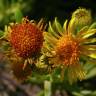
(47, 87)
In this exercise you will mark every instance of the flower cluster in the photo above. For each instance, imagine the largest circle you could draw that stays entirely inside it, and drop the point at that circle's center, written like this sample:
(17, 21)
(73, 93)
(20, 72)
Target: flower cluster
(59, 47)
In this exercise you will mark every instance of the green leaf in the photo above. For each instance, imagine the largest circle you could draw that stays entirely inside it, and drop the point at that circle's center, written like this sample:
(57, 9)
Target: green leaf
(1, 33)
(92, 73)
(76, 94)
(86, 92)
(18, 15)
(41, 93)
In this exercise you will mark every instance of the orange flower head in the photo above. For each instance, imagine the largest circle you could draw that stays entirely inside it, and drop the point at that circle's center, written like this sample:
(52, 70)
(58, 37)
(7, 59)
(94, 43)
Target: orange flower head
(26, 38)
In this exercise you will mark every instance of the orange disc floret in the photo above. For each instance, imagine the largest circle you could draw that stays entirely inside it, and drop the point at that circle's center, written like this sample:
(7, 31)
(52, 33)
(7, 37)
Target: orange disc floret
(68, 50)
(26, 39)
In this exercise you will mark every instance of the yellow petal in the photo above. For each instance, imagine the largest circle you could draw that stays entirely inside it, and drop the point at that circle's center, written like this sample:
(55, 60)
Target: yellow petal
(92, 40)
(58, 27)
(47, 38)
(51, 30)
(75, 72)
(72, 26)
(90, 53)
(89, 47)
(50, 37)
(93, 55)
(89, 33)
(82, 31)
(65, 26)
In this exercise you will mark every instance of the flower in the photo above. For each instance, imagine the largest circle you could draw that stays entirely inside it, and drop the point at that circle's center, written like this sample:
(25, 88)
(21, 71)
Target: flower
(82, 16)
(26, 38)
(23, 42)
(65, 47)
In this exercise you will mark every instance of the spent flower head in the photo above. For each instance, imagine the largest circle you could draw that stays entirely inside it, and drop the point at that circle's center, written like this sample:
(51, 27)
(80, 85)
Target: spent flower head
(20, 73)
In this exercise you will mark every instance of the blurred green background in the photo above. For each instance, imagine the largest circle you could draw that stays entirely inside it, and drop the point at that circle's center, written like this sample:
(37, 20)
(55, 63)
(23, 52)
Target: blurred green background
(48, 9)
(12, 10)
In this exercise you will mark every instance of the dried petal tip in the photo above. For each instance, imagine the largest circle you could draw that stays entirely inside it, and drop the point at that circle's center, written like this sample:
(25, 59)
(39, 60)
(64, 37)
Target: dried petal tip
(26, 38)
